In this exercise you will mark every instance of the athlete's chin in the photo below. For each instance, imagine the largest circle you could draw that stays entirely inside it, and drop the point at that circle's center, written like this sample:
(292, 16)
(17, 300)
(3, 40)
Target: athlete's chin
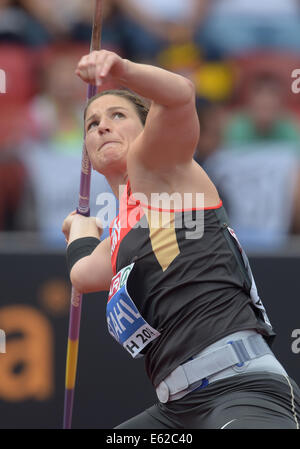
(109, 163)
(111, 152)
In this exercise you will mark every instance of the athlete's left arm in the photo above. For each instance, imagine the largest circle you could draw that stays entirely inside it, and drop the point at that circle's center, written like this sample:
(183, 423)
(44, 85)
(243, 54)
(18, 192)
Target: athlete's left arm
(172, 129)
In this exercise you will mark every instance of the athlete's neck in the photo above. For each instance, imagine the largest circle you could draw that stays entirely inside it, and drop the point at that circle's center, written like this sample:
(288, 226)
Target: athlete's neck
(117, 183)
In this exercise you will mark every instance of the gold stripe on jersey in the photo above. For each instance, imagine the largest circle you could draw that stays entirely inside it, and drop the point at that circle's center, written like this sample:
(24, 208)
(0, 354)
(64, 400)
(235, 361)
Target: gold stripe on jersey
(162, 236)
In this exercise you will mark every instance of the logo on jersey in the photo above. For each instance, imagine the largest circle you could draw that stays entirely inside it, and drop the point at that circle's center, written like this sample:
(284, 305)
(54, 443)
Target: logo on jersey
(115, 234)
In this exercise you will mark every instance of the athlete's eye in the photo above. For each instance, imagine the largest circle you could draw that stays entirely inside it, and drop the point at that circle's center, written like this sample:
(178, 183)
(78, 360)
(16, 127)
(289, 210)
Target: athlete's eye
(118, 115)
(92, 124)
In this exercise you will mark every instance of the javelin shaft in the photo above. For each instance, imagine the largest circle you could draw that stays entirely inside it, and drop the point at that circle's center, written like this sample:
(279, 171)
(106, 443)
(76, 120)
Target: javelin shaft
(83, 209)
(85, 181)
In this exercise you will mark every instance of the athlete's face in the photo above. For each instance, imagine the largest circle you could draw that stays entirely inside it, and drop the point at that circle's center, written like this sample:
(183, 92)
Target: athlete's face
(111, 125)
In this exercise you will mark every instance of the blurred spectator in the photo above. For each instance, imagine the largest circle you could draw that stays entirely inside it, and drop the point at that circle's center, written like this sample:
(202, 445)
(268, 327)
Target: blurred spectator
(261, 193)
(15, 126)
(260, 188)
(251, 65)
(53, 155)
(113, 36)
(40, 22)
(17, 62)
(235, 26)
(55, 180)
(27, 22)
(265, 117)
(153, 25)
(59, 17)
(56, 110)
(14, 194)
(212, 118)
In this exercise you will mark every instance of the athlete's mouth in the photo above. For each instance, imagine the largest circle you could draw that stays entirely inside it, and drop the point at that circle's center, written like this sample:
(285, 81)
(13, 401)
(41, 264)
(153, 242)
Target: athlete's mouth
(108, 143)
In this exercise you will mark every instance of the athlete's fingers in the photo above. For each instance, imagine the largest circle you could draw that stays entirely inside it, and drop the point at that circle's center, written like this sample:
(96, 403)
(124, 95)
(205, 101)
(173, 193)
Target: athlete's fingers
(98, 65)
(109, 67)
(91, 67)
(82, 69)
(86, 68)
(66, 226)
(101, 63)
(109, 61)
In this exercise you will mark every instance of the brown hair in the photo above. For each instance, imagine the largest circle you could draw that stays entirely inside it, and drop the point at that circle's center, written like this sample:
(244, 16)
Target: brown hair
(141, 105)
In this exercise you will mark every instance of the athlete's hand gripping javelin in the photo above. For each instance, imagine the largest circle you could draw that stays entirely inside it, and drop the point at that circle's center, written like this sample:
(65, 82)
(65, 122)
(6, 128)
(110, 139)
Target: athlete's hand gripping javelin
(101, 66)
(81, 226)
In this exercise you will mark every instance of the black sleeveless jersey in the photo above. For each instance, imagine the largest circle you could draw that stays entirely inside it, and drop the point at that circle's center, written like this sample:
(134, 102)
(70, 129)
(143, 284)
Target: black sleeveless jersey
(181, 282)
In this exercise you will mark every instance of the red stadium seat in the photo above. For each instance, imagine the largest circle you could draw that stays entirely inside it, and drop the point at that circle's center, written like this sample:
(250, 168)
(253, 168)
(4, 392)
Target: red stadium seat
(250, 64)
(18, 63)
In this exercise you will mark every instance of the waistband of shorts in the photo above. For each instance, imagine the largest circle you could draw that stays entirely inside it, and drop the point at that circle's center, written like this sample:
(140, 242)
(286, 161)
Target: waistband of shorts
(238, 353)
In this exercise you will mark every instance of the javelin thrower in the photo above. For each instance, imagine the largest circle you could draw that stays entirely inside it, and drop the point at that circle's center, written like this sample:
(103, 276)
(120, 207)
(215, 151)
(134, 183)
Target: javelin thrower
(83, 209)
(181, 290)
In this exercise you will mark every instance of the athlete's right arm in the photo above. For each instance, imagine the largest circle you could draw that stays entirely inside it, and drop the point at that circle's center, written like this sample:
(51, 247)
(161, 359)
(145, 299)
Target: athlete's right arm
(93, 272)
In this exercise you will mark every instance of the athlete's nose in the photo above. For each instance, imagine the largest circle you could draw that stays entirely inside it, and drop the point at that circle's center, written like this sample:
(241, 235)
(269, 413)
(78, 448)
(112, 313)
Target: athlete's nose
(104, 126)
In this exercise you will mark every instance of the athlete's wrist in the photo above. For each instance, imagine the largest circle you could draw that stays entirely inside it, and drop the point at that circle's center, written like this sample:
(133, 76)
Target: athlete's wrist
(79, 248)
(84, 227)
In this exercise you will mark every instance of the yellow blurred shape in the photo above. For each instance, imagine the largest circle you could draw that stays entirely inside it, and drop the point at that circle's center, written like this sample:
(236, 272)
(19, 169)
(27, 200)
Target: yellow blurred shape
(214, 81)
(178, 57)
(55, 294)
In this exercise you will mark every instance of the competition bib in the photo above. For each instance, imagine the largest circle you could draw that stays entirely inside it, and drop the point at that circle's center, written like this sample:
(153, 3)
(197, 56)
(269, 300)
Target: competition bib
(125, 323)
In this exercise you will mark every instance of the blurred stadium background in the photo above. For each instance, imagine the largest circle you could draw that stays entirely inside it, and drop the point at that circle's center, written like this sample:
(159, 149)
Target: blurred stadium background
(244, 58)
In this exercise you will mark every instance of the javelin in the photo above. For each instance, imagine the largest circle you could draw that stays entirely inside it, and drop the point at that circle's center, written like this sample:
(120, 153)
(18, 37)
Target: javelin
(83, 209)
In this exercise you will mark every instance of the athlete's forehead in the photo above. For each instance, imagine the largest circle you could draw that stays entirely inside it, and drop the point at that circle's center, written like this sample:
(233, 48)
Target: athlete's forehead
(107, 103)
